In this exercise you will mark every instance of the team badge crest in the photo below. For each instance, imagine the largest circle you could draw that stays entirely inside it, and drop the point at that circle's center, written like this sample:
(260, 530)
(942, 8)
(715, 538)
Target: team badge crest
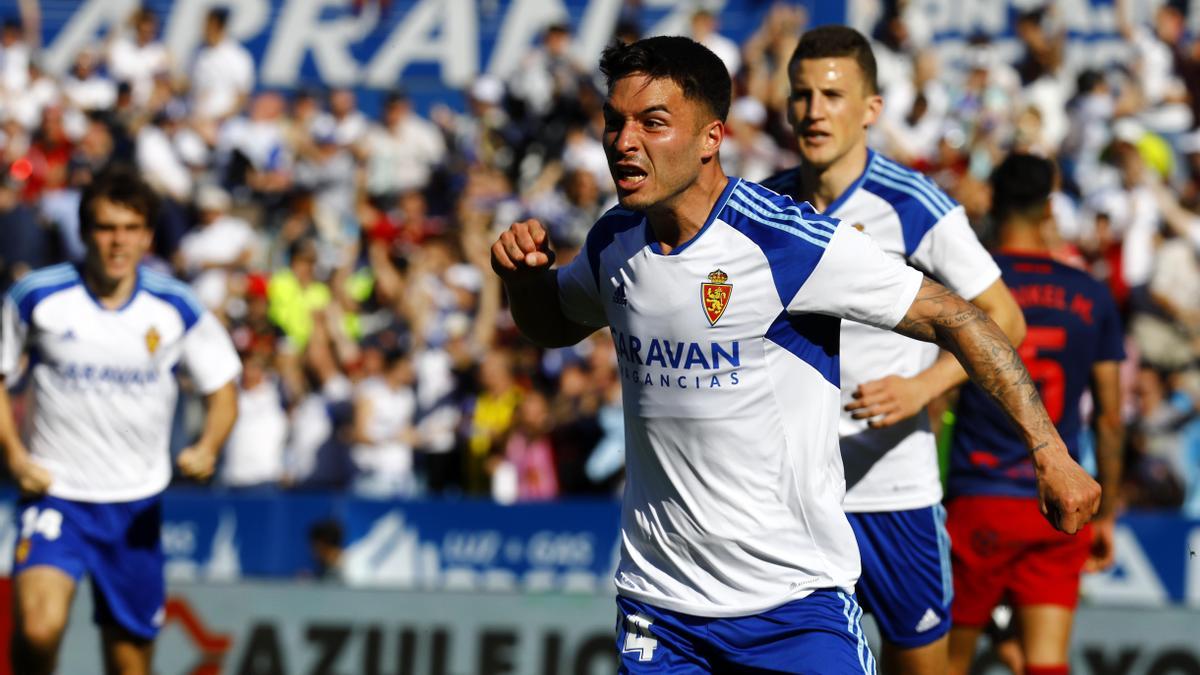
(715, 295)
(22, 552)
(152, 339)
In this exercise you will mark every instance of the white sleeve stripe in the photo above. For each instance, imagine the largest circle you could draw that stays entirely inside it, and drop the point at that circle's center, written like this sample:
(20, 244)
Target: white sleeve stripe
(41, 279)
(782, 209)
(909, 190)
(790, 230)
(782, 218)
(915, 179)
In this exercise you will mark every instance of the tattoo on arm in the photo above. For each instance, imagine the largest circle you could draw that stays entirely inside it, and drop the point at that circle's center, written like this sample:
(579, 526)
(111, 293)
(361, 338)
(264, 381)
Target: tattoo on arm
(938, 315)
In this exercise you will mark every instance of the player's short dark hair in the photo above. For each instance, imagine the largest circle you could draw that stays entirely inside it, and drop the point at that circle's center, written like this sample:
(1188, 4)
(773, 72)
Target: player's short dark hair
(700, 74)
(1021, 185)
(826, 42)
(119, 184)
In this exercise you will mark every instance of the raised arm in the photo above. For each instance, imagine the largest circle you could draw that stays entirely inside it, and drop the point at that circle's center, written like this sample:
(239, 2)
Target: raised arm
(521, 257)
(1068, 495)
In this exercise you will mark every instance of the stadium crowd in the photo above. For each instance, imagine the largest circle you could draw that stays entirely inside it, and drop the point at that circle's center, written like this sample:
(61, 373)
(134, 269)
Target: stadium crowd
(348, 253)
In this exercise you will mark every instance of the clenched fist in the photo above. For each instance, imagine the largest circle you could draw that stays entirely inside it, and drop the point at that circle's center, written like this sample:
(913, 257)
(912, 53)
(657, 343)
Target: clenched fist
(1068, 496)
(522, 251)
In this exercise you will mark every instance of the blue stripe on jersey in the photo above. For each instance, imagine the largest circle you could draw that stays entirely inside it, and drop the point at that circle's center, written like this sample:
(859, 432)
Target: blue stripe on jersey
(813, 338)
(792, 252)
(913, 192)
(604, 232)
(739, 206)
(777, 207)
(176, 293)
(917, 217)
(41, 284)
(917, 179)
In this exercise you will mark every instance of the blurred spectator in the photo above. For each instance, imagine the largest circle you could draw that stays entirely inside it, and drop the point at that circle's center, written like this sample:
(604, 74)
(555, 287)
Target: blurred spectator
(317, 451)
(295, 293)
(348, 123)
(490, 419)
(24, 244)
(139, 58)
(40, 92)
(86, 88)
(253, 150)
(44, 167)
(384, 434)
(548, 74)
(219, 244)
(254, 453)
(529, 454)
(14, 58)
(748, 152)
(223, 71)
(1156, 81)
(483, 134)
(327, 543)
(158, 157)
(402, 151)
(329, 172)
(570, 211)
(1158, 442)
(704, 31)
(914, 113)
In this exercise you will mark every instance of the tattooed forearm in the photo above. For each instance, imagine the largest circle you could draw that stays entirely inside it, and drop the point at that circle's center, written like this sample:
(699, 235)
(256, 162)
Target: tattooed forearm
(938, 315)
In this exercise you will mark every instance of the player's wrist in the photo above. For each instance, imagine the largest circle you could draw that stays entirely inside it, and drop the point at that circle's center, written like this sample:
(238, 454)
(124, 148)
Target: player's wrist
(1047, 455)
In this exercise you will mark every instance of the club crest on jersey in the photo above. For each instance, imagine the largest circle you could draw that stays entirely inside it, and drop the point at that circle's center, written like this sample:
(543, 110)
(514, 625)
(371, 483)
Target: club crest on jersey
(152, 339)
(22, 552)
(714, 295)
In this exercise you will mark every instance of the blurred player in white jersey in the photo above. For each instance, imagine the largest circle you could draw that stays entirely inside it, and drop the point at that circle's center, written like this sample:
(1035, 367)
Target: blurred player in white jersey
(724, 300)
(103, 340)
(893, 492)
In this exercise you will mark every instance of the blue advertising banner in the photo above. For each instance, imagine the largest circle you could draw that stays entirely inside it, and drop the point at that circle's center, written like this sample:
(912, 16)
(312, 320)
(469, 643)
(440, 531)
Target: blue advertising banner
(567, 546)
(433, 48)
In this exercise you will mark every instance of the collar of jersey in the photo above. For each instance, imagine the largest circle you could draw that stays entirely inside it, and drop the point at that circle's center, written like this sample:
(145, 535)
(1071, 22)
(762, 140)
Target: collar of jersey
(137, 286)
(712, 215)
(837, 203)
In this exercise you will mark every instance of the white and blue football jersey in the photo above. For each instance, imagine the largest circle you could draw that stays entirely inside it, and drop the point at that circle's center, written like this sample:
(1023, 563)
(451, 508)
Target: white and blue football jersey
(103, 379)
(913, 221)
(728, 354)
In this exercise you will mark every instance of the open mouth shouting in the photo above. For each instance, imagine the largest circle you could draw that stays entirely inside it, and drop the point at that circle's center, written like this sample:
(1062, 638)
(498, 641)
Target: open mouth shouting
(628, 176)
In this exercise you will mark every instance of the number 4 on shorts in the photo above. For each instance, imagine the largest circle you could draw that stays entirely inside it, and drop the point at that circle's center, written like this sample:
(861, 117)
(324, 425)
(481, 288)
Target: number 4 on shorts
(638, 638)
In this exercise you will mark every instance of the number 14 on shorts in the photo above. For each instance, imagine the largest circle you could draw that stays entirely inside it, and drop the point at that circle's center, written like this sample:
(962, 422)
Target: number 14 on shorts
(46, 522)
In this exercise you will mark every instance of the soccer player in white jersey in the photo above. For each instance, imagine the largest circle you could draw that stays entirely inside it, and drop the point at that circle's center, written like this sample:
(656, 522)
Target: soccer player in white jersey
(894, 493)
(724, 300)
(103, 340)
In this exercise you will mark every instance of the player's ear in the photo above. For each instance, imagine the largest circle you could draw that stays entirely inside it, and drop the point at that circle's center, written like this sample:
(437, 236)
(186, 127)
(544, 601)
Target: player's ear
(714, 134)
(873, 109)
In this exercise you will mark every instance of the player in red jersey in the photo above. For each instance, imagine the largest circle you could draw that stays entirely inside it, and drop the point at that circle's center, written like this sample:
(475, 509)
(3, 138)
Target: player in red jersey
(1003, 549)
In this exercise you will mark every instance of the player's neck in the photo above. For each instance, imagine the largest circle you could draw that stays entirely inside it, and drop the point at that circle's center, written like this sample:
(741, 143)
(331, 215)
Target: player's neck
(822, 186)
(1022, 236)
(677, 220)
(111, 294)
